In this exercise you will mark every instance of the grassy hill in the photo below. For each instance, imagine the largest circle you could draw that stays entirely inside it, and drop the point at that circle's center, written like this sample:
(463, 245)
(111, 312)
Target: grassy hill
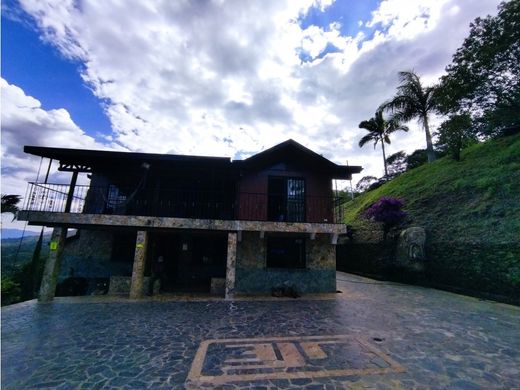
(475, 199)
(471, 212)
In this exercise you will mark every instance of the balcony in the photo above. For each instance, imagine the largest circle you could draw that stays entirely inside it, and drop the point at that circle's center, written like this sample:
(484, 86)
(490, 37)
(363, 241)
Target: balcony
(175, 203)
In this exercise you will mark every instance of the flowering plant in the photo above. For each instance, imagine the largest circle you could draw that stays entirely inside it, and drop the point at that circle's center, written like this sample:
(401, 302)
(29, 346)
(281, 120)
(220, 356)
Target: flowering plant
(387, 211)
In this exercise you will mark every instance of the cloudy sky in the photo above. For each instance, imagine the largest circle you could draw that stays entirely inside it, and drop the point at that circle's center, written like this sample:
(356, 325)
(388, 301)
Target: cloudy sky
(225, 78)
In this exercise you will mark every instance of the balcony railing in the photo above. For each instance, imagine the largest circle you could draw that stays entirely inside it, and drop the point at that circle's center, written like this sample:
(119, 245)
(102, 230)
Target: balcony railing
(182, 203)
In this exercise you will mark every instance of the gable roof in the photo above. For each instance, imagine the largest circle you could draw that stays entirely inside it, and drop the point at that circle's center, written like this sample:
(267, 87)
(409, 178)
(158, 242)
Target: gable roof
(291, 150)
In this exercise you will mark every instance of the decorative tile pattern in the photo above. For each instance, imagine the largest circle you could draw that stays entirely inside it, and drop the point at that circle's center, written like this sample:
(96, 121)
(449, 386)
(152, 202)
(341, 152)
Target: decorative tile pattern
(232, 360)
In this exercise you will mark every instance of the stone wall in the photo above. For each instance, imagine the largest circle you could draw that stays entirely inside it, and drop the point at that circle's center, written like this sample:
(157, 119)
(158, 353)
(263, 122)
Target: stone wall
(478, 269)
(252, 276)
(88, 255)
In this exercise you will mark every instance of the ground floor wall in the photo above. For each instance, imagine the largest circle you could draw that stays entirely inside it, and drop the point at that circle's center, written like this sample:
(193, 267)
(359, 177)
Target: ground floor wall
(92, 260)
(87, 263)
(253, 275)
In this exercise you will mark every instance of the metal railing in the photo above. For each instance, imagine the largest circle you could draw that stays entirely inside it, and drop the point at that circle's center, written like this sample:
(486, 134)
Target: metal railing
(182, 203)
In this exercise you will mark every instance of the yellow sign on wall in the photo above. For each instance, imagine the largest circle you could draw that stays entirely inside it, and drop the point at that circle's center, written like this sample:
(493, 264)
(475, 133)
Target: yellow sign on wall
(54, 245)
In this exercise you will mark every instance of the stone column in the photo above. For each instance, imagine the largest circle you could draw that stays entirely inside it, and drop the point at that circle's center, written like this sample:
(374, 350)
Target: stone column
(231, 265)
(136, 288)
(52, 265)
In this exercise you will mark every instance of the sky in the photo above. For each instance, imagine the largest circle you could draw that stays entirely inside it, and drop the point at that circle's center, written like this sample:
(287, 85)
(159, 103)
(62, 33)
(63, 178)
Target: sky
(214, 77)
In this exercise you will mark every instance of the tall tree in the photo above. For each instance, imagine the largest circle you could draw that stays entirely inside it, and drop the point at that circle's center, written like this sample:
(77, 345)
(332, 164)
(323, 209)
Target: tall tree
(379, 130)
(484, 76)
(413, 101)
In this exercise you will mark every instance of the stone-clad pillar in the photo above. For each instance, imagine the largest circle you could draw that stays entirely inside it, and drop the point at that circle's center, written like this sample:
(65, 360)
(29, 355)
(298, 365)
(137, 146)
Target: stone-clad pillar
(52, 265)
(136, 288)
(231, 265)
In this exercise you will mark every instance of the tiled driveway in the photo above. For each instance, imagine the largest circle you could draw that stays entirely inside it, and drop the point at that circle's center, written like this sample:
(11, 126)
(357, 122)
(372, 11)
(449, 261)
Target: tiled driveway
(373, 335)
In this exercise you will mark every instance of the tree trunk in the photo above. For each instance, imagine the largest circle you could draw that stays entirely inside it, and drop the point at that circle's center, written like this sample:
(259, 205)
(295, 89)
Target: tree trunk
(384, 155)
(429, 145)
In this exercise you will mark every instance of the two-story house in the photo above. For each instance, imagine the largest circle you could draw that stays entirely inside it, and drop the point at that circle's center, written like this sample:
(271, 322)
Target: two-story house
(257, 223)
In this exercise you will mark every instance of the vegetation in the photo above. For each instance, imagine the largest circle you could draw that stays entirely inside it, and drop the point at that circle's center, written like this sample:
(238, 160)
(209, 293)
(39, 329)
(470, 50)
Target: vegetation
(22, 269)
(455, 134)
(475, 199)
(379, 130)
(479, 95)
(388, 212)
(9, 203)
(483, 81)
(413, 101)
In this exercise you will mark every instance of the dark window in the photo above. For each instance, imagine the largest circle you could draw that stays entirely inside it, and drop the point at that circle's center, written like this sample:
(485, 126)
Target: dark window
(123, 247)
(115, 200)
(284, 252)
(286, 199)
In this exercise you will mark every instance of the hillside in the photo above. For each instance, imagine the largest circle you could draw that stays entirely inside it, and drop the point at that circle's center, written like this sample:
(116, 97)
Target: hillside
(11, 262)
(474, 200)
(471, 213)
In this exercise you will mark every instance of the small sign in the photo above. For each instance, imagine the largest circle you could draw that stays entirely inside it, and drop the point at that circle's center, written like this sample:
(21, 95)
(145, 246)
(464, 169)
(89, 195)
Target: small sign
(139, 246)
(54, 245)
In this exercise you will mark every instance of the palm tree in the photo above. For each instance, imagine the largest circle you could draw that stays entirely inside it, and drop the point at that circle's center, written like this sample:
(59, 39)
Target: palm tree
(379, 130)
(9, 203)
(413, 101)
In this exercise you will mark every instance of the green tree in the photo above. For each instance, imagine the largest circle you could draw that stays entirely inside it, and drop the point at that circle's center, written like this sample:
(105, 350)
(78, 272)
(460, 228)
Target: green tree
(454, 134)
(9, 203)
(379, 130)
(364, 183)
(397, 163)
(413, 101)
(484, 76)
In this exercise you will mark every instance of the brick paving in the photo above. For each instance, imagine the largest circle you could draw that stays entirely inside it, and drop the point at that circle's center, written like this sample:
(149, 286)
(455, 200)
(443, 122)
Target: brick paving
(373, 335)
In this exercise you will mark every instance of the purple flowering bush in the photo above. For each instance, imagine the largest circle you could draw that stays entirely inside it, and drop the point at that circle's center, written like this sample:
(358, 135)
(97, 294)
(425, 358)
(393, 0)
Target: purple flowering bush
(387, 211)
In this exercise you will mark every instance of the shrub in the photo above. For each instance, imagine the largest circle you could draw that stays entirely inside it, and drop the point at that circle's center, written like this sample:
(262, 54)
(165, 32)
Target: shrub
(387, 211)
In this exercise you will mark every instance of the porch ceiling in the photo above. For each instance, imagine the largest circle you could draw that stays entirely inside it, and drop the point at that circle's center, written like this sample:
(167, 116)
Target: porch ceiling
(74, 220)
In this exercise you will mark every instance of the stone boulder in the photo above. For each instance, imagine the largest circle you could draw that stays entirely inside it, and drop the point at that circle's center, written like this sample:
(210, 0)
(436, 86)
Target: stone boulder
(410, 249)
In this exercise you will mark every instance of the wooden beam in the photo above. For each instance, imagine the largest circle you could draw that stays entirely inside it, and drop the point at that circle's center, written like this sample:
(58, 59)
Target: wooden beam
(71, 191)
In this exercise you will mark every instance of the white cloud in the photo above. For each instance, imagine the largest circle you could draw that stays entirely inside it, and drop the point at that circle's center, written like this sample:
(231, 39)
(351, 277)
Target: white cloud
(25, 122)
(225, 78)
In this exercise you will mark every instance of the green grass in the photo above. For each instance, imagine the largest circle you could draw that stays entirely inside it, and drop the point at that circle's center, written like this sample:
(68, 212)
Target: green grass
(474, 200)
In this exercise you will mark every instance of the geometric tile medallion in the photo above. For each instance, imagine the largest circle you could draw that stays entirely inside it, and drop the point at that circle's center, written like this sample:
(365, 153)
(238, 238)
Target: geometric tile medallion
(232, 360)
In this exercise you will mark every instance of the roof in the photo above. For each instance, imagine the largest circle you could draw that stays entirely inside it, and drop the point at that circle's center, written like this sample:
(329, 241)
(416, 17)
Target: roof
(290, 150)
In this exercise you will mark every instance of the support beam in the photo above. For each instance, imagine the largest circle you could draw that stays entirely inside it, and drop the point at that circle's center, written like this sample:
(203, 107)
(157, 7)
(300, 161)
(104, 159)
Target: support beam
(70, 195)
(231, 265)
(52, 266)
(335, 237)
(262, 234)
(239, 236)
(136, 288)
(313, 235)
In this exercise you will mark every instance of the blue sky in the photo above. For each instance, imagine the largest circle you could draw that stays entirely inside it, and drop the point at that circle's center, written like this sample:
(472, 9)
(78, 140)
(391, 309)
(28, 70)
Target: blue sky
(218, 78)
(42, 71)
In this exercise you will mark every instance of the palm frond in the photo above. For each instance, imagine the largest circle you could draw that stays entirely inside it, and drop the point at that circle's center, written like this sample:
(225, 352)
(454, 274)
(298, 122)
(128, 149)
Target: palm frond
(367, 138)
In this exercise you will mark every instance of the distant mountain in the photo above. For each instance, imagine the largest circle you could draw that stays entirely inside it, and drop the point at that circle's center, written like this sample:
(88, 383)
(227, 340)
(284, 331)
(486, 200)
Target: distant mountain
(17, 233)
(14, 255)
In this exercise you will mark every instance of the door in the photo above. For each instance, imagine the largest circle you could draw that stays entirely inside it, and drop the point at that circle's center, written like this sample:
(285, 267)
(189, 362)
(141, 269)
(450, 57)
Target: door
(286, 199)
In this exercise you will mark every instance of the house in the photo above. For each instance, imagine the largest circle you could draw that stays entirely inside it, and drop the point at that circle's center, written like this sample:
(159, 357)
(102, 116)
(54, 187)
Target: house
(250, 225)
